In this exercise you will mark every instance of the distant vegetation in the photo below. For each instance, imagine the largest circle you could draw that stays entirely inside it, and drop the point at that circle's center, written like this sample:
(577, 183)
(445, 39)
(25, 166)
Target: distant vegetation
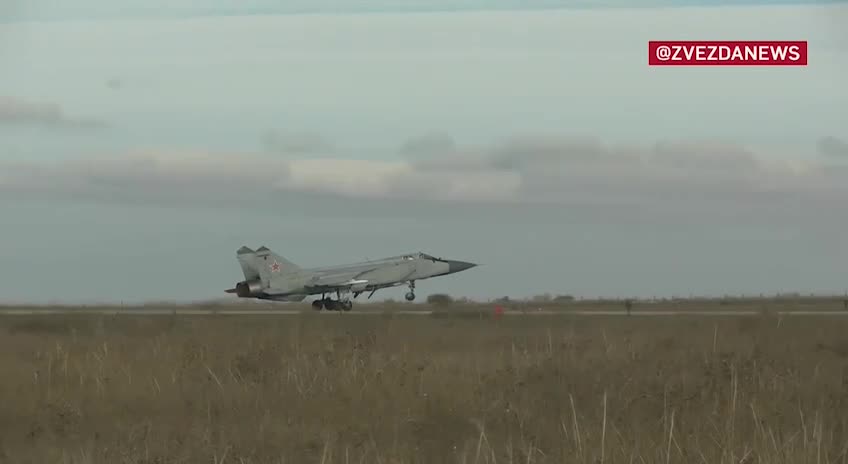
(545, 300)
(439, 299)
(551, 302)
(549, 299)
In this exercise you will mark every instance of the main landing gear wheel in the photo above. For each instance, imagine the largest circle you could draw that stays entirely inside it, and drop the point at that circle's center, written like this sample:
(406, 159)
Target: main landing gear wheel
(332, 305)
(411, 294)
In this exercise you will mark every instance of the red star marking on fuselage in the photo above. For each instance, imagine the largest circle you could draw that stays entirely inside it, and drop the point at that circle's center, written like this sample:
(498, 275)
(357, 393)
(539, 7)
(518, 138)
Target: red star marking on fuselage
(275, 267)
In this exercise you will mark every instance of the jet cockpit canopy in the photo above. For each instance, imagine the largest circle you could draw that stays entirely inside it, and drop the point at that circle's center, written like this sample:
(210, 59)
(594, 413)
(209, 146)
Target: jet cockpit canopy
(420, 255)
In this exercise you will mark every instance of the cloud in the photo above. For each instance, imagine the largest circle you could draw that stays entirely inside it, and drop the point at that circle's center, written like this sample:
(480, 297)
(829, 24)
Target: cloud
(296, 142)
(577, 169)
(150, 178)
(115, 83)
(687, 176)
(833, 147)
(18, 112)
(433, 143)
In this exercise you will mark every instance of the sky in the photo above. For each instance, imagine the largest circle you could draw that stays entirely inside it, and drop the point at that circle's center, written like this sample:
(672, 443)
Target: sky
(141, 146)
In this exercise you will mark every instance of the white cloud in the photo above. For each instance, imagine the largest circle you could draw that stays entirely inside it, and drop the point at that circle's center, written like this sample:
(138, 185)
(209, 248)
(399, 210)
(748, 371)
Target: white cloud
(148, 177)
(527, 169)
(342, 176)
(296, 142)
(19, 112)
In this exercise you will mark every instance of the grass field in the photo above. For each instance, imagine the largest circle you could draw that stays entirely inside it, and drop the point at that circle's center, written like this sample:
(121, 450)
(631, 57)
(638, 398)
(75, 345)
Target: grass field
(382, 389)
(741, 304)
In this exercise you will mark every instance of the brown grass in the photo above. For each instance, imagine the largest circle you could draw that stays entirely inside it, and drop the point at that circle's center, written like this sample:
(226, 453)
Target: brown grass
(342, 388)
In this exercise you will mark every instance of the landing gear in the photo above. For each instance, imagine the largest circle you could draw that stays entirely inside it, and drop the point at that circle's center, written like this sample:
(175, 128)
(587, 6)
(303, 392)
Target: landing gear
(411, 294)
(332, 305)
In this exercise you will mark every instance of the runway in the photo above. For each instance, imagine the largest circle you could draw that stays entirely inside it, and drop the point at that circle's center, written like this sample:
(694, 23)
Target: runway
(366, 312)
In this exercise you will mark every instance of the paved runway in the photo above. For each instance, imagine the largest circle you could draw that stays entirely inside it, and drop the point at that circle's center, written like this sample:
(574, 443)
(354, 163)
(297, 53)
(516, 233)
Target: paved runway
(366, 312)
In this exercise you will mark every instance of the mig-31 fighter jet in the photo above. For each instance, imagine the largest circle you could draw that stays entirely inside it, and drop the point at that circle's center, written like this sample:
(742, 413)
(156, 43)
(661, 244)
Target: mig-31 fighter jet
(269, 276)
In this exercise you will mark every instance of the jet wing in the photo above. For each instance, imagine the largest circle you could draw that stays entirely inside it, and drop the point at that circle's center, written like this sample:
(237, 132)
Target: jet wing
(337, 280)
(346, 280)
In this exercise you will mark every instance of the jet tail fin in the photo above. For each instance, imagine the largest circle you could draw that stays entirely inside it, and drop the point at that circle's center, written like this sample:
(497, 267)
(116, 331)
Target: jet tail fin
(263, 264)
(270, 264)
(247, 261)
(265, 254)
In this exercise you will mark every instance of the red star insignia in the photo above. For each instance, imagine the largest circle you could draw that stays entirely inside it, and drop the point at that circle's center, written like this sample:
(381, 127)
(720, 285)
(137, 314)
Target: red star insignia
(275, 267)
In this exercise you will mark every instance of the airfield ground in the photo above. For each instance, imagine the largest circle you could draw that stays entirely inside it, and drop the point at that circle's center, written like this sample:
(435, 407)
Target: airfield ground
(451, 387)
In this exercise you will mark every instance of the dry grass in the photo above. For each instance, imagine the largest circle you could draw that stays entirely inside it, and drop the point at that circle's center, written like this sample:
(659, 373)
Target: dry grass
(338, 388)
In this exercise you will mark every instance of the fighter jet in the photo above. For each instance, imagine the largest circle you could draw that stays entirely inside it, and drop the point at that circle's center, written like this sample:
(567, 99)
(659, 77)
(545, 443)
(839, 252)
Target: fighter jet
(269, 276)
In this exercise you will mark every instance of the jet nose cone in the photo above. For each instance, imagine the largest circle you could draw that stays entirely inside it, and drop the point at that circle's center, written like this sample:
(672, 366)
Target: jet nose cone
(457, 266)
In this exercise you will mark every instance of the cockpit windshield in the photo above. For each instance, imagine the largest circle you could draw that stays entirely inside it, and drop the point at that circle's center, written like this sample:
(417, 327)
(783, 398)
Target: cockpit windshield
(420, 255)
